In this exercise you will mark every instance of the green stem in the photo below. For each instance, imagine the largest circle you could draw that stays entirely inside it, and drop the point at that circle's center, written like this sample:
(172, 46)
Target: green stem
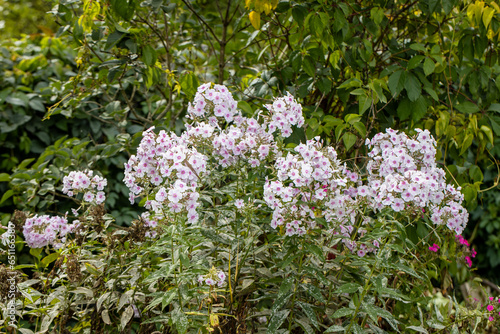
(175, 274)
(365, 290)
(290, 317)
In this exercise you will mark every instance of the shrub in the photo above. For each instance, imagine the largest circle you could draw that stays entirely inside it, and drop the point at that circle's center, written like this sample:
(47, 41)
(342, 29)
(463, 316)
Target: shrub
(243, 232)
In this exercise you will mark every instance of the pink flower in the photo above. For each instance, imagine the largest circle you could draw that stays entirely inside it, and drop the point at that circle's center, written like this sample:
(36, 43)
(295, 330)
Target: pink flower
(434, 248)
(489, 308)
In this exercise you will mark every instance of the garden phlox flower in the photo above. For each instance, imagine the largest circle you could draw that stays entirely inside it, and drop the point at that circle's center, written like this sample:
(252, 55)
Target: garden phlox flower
(86, 182)
(404, 168)
(214, 277)
(44, 230)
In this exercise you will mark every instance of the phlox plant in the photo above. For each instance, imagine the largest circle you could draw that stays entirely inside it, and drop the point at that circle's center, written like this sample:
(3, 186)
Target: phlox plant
(243, 231)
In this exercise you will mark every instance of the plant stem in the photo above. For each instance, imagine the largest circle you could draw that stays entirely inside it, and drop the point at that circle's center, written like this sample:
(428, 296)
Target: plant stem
(290, 317)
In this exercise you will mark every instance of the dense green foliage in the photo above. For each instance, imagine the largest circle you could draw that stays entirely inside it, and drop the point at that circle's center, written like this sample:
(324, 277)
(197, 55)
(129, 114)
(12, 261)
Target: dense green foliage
(80, 98)
(19, 17)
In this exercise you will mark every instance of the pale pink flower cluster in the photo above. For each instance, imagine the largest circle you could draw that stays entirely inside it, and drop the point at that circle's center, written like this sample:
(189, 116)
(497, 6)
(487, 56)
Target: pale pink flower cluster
(403, 176)
(314, 184)
(86, 182)
(285, 112)
(166, 170)
(244, 141)
(310, 183)
(213, 278)
(41, 231)
(213, 100)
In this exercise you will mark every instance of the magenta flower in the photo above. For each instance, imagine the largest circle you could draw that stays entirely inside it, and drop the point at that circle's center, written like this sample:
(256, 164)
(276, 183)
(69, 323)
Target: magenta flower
(434, 248)
(489, 308)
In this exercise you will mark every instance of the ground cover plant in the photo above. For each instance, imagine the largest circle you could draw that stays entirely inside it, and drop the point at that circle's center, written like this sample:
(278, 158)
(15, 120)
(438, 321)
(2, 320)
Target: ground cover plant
(246, 231)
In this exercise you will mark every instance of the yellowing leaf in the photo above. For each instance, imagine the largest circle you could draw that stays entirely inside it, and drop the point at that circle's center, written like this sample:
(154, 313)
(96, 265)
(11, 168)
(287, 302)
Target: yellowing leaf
(470, 12)
(214, 320)
(487, 16)
(255, 19)
(494, 4)
(478, 11)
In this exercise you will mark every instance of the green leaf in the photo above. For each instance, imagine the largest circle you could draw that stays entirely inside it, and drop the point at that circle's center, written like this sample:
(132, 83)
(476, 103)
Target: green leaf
(466, 143)
(406, 269)
(418, 47)
(36, 252)
(397, 81)
(283, 295)
(487, 131)
(37, 104)
(49, 259)
(304, 323)
(418, 329)
(361, 128)
(309, 312)
(365, 102)
(314, 292)
(488, 15)
(126, 316)
(352, 118)
(8, 194)
(168, 297)
(213, 236)
(348, 288)
(189, 84)
(494, 107)
(316, 250)
(4, 177)
(334, 329)
(276, 321)
(349, 140)
(429, 66)
(93, 270)
(299, 13)
(339, 130)
(343, 312)
(413, 87)
(414, 62)
(495, 126)
(324, 84)
(470, 193)
(113, 39)
(180, 320)
(316, 25)
(123, 8)
(245, 107)
(467, 107)
(404, 109)
(350, 83)
(309, 66)
(149, 56)
(392, 293)
(296, 61)
(419, 109)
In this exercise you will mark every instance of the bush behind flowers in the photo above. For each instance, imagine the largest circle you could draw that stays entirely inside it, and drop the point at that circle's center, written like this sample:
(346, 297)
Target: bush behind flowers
(244, 234)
